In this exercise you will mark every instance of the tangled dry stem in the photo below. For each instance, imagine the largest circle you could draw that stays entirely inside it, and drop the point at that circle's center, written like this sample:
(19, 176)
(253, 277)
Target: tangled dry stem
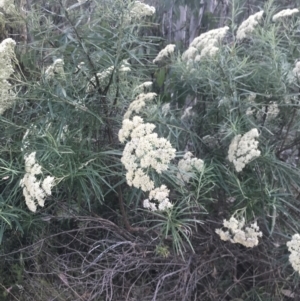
(97, 260)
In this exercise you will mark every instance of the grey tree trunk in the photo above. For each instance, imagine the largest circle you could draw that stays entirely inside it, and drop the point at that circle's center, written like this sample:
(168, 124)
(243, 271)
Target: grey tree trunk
(180, 24)
(183, 22)
(195, 22)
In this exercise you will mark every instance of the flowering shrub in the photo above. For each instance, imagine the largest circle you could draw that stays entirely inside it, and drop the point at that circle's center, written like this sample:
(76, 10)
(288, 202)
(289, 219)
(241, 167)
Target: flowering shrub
(145, 170)
(71, 104)
(242, 104)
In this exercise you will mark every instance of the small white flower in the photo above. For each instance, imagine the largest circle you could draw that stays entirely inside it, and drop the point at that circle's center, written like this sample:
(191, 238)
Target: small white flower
(206, 45)
(140, 10)
(34, 191)
(164, 53)
(294, 248)
(285, 13)
(164, 205)
(224, 235)
(7, 55)
(139, 103)
(236, 234)
(209, 51)
(102, 78)
(125, 68)
(160, 194)
(142, 180)
(190, 54)
(47, 184)
(209, 37)
(243, 149)
(248, 26)
(149, 205)
(143, 86)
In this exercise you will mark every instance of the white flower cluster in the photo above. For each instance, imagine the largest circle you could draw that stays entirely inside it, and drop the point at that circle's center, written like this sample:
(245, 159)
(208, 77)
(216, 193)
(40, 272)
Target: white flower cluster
(139, 103)
(140, 10)
(8, 6)
(125, 67)
(147, 84)
(164, 53)
(187, 166)
(144, 150)
(56, 69)
(285, 13)
(236, 234)
(294, 248)
(7, 55)
(35, 191)
(106, 73)
(160, 194)
(247, 27)
(243, 149)
(128, 126)
(206, 45)
(142, 87)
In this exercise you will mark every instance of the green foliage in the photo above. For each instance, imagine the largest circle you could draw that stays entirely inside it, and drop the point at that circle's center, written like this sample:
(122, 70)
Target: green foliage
(76, 78)
(222, 86)
(70, 118)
